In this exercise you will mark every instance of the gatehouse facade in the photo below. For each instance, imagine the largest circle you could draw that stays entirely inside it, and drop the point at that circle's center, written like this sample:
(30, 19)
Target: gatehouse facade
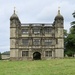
(33, 41)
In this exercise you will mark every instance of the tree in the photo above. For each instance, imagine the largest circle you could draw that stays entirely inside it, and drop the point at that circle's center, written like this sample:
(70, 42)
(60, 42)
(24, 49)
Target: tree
(65, 33)
(6, 53)
(70, 40)
(73, 25)
(0, 56)
(65, 41)
(70, 45)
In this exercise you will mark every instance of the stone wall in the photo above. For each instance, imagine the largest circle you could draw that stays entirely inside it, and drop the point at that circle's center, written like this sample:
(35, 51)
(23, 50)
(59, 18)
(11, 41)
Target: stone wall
(5, 57)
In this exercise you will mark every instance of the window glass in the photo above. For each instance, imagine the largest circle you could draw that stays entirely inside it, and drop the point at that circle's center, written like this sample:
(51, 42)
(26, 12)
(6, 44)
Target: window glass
(36, 31)
(48, 30)
(25, 31)
(48, 53)
(36, 41)
(47, 42)
(25, 42)
(25, 53)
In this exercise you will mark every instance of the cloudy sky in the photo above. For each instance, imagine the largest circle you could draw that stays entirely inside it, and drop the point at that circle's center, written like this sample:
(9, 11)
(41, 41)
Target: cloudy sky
(32, 11)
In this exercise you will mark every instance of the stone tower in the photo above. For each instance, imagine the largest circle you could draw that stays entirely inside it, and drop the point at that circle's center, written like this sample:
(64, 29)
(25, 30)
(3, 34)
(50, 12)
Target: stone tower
(33, 41)
(59, 35)
(14, 35)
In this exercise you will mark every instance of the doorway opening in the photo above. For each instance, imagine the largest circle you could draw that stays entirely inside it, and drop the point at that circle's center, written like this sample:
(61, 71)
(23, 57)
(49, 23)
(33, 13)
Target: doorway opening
(36, 56)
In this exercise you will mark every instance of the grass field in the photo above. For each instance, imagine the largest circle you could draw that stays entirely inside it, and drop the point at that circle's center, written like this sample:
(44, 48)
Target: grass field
(43, 67)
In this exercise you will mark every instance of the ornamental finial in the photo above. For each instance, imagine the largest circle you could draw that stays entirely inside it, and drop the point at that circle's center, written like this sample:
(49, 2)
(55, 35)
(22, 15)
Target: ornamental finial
(14, 9)
(58, 10)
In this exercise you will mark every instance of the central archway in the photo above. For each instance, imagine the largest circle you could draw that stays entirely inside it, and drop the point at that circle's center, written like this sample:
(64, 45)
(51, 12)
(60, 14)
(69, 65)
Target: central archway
(36, 56)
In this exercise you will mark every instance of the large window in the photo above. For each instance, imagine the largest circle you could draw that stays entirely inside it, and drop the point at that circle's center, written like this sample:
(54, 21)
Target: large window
(48, 53)
(25, 42)
(47, 30)
(36, 41)
(25, 53)
(36, 31)
(47, 42)
(25, 31)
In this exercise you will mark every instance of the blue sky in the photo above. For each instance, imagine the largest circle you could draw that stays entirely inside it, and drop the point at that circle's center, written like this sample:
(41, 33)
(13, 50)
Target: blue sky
(32, 11)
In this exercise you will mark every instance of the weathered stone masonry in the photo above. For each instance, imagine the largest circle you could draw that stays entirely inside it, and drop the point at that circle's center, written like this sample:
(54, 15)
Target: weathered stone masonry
(33, 41)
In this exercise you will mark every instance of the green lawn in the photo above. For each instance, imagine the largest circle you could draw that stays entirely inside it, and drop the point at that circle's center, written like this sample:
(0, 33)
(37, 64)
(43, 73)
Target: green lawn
(43, 67)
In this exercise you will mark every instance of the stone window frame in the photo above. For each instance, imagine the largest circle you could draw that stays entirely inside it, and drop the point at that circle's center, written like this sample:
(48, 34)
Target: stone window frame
(47, 41)
(25, 32)
(36, 30)
(25, 53)
(47, 30)
(24, 43)
(36, 41)
(48, 53)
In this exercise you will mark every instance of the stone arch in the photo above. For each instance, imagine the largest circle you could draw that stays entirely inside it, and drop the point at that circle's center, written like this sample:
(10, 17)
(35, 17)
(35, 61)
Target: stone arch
(36, 56)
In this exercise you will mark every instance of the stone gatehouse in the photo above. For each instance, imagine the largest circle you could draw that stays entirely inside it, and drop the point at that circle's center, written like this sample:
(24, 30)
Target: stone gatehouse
(33, 41)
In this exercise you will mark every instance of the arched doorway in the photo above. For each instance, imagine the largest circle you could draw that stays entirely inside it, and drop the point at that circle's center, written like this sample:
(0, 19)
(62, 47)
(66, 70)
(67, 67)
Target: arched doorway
(36, 56)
